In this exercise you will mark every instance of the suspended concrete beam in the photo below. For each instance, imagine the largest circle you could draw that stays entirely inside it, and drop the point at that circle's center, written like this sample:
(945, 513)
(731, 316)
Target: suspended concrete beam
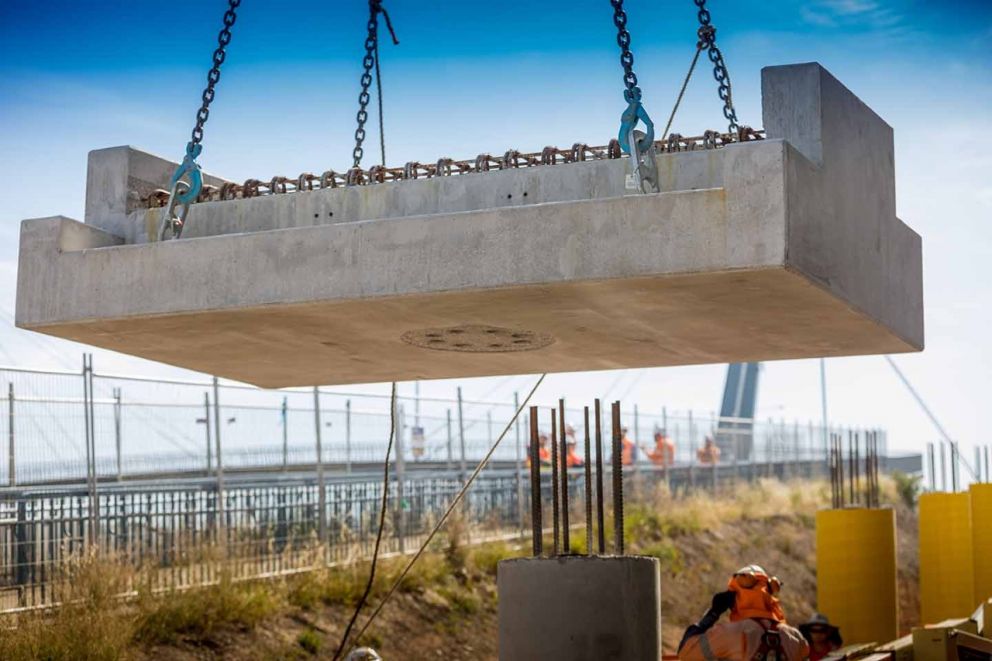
(787, 247)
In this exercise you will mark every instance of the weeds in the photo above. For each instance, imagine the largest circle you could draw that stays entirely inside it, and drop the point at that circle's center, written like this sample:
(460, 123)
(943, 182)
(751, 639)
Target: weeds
(310, 641)
(199, 613)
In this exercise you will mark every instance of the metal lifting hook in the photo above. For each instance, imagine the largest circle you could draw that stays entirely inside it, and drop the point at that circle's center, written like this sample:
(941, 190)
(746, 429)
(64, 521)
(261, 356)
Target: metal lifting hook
(639, 145)
(182, 192)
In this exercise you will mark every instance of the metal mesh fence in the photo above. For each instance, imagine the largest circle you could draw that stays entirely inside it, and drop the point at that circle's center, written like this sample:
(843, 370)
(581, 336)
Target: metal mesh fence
(158, 428)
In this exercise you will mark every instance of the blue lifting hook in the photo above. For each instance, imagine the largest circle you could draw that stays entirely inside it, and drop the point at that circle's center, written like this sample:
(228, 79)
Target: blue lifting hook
(640, 146)
(190, 168)
(628, 120)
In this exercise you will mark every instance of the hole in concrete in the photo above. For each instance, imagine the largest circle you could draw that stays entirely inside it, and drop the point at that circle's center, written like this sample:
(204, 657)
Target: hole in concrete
(509, 196)
(525, 194)
(316, 215)
(330, 214)
(477, 339)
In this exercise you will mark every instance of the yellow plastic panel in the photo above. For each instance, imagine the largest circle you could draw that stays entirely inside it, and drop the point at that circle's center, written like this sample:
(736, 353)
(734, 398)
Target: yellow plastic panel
(856, 573)
(981, 535)
(947, 570)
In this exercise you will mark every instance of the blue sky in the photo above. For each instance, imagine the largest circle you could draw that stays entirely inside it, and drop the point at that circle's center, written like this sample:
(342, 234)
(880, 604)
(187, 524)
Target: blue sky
(471, 77)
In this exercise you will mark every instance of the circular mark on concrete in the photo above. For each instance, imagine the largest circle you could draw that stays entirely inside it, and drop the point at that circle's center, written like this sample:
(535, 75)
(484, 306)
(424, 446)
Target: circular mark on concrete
(477, 339)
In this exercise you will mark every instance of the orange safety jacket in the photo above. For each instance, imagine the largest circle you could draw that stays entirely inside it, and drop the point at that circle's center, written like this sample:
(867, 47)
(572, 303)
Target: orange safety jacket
(745, 640)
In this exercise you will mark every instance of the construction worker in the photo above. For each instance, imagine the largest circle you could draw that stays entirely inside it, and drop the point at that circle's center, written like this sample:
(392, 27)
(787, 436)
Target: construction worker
(543, 453)
(628, 453)
(823, 637)
(663, 453)
(756, 628)
(709, 453)
(572, 459)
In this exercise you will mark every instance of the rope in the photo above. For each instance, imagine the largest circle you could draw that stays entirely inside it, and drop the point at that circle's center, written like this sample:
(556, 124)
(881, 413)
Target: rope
(378, 98)
(685, 84)
(378, 536)
(451, 508)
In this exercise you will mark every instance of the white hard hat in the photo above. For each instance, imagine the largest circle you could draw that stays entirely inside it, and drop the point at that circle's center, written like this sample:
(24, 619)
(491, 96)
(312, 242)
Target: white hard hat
(363, 654)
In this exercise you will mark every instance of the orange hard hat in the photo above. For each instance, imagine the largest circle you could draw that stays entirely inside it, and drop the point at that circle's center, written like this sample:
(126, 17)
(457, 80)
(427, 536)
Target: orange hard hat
(754, 592)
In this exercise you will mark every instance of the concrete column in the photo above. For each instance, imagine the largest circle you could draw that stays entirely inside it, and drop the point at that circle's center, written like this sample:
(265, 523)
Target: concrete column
(581, 608)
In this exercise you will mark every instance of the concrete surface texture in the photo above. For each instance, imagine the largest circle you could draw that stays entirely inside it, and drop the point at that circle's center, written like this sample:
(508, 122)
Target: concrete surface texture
(782, 248)
(580, 608)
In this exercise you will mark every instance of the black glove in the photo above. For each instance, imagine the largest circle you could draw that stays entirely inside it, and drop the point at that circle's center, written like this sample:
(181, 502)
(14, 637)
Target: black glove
(723, 602)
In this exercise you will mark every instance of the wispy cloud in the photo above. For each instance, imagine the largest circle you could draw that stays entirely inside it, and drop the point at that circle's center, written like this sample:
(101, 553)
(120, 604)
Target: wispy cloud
(863, 14)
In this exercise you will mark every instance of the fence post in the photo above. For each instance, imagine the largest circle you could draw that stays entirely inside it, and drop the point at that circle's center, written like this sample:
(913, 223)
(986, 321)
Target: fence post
(450, 461)
(88, 418)
(321, 492)
(461, 439)
(400, 477)
(692, 449)
(671, 436)
(518, 466)
(117, 431)
(285, 432)
(11, 473)
(347, 436)
(207, 421)
(218, 458)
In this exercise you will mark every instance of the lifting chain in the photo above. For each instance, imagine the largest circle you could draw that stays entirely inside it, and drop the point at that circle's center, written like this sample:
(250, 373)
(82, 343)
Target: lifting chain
(370, 60)
(638, 144)
(182, 192)
(707, 41)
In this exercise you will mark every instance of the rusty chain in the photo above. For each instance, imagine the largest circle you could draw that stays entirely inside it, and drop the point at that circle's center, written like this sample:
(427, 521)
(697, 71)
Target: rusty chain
(446, 167)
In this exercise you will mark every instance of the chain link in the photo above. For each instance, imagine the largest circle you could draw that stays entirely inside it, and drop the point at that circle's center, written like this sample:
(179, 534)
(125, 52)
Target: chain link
(707, 41)
(632, 91)
(370, 61)
(213, 76)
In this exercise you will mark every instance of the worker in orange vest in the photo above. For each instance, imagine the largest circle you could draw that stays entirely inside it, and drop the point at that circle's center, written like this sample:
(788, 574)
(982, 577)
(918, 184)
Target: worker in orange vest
(628, 453)
(572, 459)
(543, 453)
(663, 453)
(709, 453)
(756, 628)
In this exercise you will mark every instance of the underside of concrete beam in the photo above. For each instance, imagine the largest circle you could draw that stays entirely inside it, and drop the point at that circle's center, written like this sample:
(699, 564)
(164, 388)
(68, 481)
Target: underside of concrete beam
(783, 248)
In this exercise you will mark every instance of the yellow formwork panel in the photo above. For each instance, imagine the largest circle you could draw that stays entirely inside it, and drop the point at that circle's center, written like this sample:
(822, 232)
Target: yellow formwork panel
(856, 573)
(947, 570)
(981, 536)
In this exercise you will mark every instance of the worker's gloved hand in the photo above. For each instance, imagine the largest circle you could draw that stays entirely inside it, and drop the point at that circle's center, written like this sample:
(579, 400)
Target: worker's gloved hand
(723, 602)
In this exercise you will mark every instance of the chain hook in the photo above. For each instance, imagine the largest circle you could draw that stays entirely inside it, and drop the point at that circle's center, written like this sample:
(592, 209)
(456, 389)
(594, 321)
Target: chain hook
(191, 169)
(182, 193)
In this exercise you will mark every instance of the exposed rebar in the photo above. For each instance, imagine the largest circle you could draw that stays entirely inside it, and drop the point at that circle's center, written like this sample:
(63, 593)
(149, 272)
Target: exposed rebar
(566, 541)
(617, 482)
(600, 517)
(537, 524)
(588, 483)
(555, 513)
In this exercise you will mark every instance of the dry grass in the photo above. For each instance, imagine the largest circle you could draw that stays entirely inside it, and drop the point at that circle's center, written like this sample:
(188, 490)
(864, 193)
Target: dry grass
(698, 539)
